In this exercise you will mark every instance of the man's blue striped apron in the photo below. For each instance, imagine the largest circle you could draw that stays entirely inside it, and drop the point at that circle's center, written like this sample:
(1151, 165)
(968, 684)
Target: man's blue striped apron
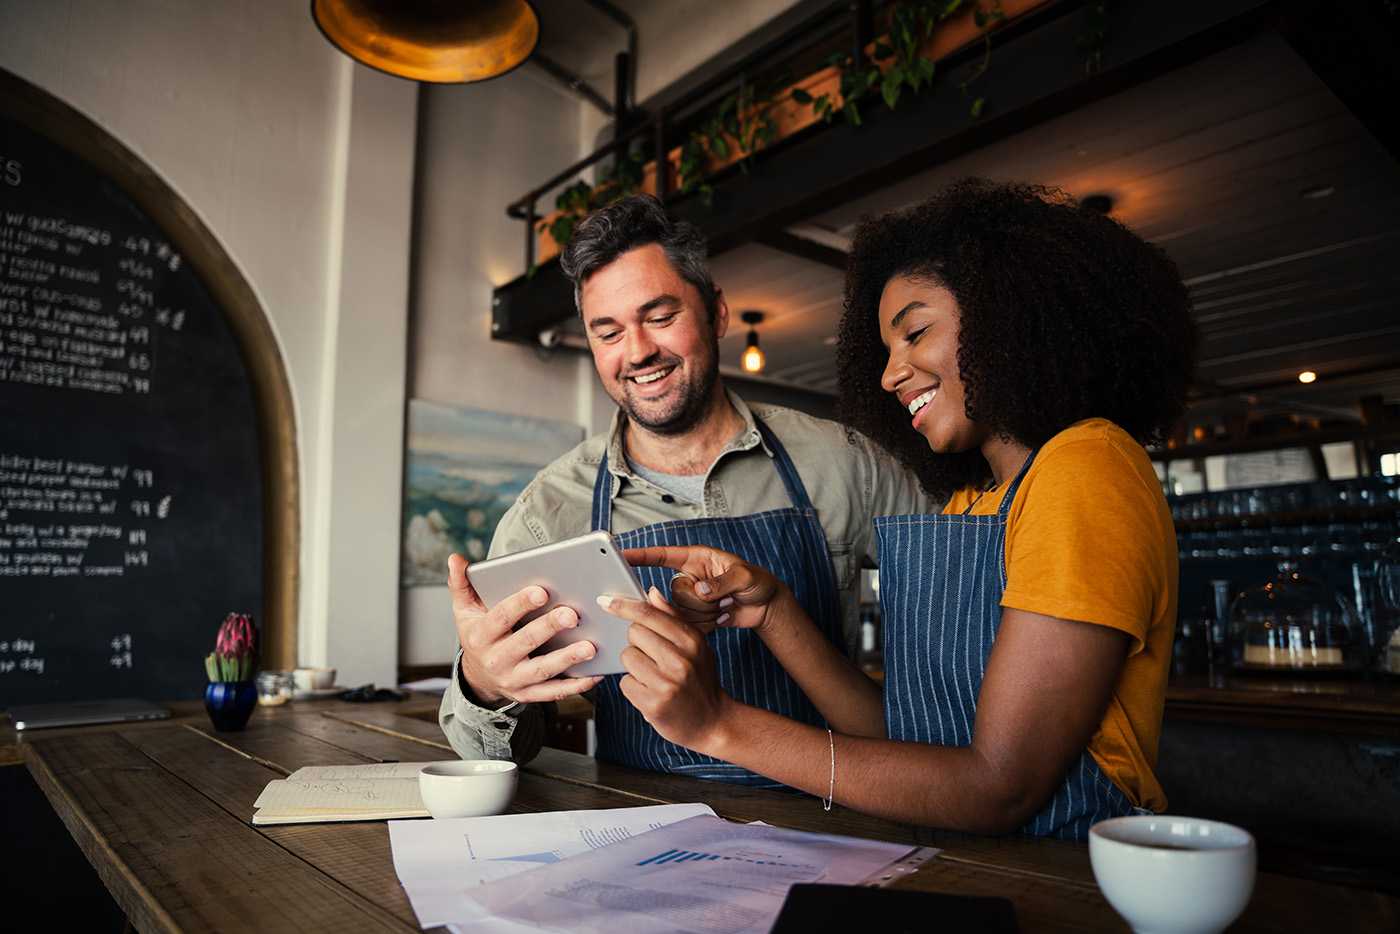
(941, 581)
(790, 543)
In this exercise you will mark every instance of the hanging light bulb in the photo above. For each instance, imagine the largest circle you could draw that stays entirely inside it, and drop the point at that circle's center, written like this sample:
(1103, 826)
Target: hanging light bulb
(753, 358)
(447, 43)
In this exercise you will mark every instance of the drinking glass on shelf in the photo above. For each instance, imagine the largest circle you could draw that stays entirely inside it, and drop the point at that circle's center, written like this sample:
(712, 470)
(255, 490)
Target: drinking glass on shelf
(1343, 538)
(1197, 544)
(1229, 543)
(1254, 541)
(1311, 539)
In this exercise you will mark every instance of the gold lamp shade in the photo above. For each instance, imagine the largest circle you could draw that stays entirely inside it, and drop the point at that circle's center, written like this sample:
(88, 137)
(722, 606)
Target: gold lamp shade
(443, 41)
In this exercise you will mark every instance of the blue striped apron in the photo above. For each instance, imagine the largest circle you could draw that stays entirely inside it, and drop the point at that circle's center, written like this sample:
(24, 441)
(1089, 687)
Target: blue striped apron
(941, 581)
(790, 543)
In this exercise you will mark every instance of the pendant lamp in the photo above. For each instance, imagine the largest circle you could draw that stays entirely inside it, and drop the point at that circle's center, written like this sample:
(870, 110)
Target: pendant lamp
(439, 41)
(753, 359)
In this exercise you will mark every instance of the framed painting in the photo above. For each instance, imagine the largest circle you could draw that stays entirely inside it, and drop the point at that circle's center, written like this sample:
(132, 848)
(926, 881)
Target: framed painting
(464, 469)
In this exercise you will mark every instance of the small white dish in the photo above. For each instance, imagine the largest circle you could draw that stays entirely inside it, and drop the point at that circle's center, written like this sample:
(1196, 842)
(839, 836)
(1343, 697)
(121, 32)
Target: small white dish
(1173, 875)
(467, 788)
(313, 679)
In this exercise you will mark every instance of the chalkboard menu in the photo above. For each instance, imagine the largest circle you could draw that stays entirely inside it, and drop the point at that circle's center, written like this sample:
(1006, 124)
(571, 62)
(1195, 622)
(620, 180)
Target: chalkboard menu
(131, 515)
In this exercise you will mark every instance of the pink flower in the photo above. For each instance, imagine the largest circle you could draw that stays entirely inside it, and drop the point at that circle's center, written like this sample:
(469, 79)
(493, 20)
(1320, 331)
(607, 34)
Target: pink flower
(237, 636)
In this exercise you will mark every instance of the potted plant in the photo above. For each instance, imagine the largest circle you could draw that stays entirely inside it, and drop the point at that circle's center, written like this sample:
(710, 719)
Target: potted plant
(232, 693)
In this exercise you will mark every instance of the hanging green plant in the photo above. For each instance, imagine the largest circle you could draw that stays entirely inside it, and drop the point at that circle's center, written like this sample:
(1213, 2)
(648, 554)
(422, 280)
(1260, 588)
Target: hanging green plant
(743, 123)
(577, 201)
(899, 63)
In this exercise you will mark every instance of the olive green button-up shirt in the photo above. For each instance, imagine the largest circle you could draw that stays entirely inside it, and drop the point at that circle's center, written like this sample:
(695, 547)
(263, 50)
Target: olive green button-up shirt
(848, 478)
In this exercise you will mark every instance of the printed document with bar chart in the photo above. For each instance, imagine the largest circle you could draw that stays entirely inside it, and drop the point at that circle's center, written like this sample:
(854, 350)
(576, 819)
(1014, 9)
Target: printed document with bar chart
(703, 875)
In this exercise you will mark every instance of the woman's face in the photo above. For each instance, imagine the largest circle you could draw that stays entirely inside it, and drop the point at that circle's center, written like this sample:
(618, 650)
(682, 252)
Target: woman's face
(919, 325)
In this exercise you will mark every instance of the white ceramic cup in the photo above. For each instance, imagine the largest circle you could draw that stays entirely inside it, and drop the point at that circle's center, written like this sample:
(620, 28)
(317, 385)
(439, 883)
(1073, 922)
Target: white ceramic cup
(467, 788)
(1173, 875)
(313, 679)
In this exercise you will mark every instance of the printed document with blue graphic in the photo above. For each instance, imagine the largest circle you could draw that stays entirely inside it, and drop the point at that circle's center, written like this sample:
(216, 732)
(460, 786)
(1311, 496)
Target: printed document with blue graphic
(702, 875)
(438, 861)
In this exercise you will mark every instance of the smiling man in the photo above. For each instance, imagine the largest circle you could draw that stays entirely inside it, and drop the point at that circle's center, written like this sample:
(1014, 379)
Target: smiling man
(686, 462)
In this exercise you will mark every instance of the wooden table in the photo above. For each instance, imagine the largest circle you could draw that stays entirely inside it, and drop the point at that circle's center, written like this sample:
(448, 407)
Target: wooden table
(162, 812)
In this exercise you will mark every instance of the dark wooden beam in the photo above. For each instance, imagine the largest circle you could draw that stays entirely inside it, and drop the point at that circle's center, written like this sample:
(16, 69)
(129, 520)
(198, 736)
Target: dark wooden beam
(1301, 439)
(803, 248)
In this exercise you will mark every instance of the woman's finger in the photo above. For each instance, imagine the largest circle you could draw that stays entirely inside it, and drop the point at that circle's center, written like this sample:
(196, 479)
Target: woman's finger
(737, 582)
(685, 599)
(676, 557)
(641, 667)
(636, 611)
(661, 650)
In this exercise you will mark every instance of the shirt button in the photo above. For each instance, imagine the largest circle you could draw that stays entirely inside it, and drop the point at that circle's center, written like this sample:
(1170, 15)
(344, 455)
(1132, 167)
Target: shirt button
(667, 498)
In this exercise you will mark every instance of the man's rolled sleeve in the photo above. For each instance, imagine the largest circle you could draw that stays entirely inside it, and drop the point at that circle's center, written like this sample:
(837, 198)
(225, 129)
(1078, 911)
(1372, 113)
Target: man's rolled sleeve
(474, 732)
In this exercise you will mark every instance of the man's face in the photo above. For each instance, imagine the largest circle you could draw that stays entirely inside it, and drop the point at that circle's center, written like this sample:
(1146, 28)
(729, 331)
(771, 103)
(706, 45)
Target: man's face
(653, 343)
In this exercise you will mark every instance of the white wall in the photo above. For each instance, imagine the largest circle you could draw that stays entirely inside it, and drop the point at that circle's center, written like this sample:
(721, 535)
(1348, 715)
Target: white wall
(482, 146)
(300, 163)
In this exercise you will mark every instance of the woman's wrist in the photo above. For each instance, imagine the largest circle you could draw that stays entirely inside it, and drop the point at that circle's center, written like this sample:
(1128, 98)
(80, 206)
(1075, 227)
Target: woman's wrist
(784, 616)
(718, 742)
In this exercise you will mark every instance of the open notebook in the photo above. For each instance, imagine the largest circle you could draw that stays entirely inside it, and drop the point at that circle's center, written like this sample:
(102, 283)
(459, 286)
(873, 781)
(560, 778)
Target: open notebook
(381, 791)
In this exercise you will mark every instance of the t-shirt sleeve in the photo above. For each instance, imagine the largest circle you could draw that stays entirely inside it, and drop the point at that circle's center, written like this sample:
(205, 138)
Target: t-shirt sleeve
(1085, 541)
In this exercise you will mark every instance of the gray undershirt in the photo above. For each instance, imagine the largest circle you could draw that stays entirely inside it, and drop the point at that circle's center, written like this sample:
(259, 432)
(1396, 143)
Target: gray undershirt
(689, 488)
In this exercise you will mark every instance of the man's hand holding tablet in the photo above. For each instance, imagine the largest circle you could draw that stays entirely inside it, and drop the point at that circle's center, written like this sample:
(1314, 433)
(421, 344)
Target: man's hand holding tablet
(527, 618)
(496, 657)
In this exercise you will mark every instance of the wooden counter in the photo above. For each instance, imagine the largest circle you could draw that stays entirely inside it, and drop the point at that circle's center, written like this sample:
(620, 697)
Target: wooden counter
(146, 803)
(1368, 705)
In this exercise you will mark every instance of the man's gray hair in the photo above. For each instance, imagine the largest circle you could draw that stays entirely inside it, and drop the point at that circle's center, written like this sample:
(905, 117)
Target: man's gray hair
(636, 221)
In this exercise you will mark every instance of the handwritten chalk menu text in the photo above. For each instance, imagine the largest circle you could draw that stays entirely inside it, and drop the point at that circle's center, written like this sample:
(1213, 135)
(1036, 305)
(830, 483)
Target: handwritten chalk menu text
(130, 481)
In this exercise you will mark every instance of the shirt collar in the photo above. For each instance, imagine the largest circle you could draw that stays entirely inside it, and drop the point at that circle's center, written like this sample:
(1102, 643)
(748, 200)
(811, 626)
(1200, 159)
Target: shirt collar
(745, 440)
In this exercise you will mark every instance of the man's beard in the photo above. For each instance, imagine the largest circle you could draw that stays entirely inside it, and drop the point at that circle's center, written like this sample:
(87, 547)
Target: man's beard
(684, 410)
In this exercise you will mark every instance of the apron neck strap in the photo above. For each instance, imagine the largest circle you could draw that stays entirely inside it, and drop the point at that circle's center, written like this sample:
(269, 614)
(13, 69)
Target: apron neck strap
(1010, 496)
(602, 484)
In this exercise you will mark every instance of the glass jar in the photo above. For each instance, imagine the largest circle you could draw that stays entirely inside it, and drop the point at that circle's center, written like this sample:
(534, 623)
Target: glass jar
(274, 688)
(1388, 609)
(1294, 623)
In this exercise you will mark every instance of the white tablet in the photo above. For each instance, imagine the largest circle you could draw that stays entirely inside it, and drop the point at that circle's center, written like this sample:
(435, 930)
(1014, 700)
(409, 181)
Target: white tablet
(575, 572)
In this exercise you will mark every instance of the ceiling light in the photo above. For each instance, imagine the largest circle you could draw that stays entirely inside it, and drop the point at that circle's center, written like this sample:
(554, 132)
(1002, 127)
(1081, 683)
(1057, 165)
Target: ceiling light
(1317, 191)
(445, 43)
(1307, 376)
(753, 358)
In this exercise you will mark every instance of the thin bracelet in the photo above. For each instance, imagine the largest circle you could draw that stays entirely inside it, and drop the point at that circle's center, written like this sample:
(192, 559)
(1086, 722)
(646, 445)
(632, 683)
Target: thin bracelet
(831, 789)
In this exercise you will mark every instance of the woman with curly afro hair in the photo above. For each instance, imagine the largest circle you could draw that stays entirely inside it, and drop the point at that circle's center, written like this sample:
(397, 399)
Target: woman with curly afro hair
(1016, 351)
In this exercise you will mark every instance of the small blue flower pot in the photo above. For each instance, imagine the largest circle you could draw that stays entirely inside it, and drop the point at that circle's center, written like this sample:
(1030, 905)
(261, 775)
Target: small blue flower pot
(230, 703)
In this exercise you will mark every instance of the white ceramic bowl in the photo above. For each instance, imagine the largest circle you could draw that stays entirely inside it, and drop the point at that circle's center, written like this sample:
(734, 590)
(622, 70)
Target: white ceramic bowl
(1173, 875)
(313, 679)
(467, 788)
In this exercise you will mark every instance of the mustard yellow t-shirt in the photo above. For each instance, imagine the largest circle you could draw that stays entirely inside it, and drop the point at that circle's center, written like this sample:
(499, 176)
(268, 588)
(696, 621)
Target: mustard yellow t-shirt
(1090, 538)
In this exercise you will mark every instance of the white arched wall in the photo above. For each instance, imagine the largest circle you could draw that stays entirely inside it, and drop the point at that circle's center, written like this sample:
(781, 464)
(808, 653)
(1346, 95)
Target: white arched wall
(301, 164)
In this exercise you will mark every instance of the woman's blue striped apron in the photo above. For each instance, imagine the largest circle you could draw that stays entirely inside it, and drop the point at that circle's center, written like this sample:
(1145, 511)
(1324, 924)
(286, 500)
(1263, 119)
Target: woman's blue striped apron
(941, 581)
(790, 543)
